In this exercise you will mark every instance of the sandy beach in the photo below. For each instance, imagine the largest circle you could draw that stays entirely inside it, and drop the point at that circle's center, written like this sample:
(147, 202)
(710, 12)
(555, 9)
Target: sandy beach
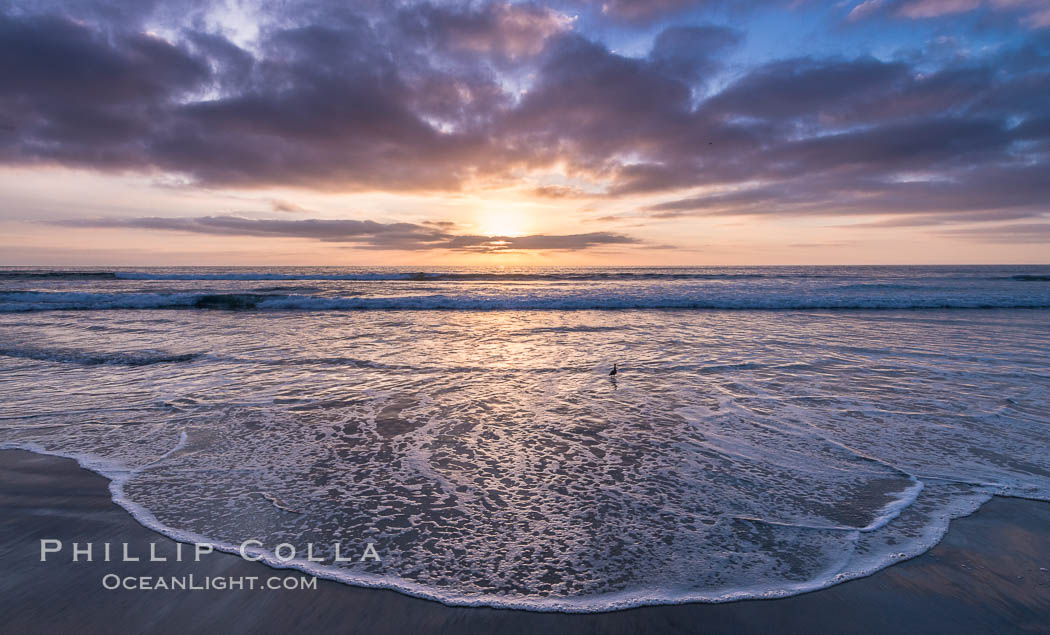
(990, 574)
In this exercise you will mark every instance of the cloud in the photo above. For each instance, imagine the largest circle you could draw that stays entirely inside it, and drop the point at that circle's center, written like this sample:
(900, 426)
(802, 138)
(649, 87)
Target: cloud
(972, 196)
(279, 205)
(1034, 14)
(560, 191)
(642, 11)
(693, 53)
(1017, 233)
(934, 8)
(443, 224)
(319, 105)
(75, 95)
(500, 30)
(865, 9)
(572, 242)
(595, 107)
(442, 96)
(365, 234)
(943, 219)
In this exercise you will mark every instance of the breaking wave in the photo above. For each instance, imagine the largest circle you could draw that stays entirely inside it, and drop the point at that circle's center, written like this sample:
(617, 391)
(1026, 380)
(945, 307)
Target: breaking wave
(93, 358)
(391, 276)
(585, 300)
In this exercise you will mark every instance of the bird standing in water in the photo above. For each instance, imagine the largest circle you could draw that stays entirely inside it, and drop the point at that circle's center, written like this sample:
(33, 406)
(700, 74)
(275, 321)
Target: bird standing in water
(613, 371)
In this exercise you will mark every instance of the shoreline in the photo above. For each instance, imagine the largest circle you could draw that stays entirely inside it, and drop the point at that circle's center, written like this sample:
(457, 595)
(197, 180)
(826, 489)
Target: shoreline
(116, 476)
(991, 572)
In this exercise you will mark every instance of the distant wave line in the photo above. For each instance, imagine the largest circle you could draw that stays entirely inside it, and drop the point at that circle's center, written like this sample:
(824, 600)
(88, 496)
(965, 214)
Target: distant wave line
(83, 301)
(438, 276)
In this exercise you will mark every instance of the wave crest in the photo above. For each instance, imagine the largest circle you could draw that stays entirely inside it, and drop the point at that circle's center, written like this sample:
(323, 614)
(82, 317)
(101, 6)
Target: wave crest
(94, 358)
(581, 301)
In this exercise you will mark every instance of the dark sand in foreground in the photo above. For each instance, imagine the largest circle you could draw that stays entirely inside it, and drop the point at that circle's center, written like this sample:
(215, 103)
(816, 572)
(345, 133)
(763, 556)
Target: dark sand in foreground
(991, 574)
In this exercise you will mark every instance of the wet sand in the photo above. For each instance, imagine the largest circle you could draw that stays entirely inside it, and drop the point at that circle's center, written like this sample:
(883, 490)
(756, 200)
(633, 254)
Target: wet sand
(990, 574)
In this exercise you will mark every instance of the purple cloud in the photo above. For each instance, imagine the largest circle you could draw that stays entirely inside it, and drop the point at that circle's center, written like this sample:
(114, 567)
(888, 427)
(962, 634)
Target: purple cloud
(366, 234)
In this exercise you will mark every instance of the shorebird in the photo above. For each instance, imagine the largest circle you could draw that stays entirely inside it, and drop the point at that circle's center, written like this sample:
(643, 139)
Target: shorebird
(613, 371)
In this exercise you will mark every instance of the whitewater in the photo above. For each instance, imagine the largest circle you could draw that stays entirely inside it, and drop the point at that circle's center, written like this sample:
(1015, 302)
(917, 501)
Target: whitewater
(772, 430)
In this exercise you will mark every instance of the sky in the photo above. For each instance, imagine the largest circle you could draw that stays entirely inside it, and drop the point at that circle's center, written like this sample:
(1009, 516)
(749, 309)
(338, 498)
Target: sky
(566, 132)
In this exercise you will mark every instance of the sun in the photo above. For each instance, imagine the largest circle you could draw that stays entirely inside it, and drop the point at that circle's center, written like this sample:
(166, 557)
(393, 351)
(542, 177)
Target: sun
(502, 222)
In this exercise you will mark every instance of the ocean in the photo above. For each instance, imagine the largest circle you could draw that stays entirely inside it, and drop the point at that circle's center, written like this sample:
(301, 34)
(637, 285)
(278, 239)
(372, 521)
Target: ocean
(771, 430)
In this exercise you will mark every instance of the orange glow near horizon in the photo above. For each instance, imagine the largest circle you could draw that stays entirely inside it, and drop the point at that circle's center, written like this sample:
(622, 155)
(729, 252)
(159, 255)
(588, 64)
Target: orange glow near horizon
(38, 195)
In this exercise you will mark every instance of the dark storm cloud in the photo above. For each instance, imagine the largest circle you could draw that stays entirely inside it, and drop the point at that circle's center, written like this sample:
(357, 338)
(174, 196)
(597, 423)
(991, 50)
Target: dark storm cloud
(445, 95)
(361, 233)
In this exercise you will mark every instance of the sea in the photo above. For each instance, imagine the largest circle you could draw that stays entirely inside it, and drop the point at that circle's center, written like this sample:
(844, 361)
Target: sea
(770, 430)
